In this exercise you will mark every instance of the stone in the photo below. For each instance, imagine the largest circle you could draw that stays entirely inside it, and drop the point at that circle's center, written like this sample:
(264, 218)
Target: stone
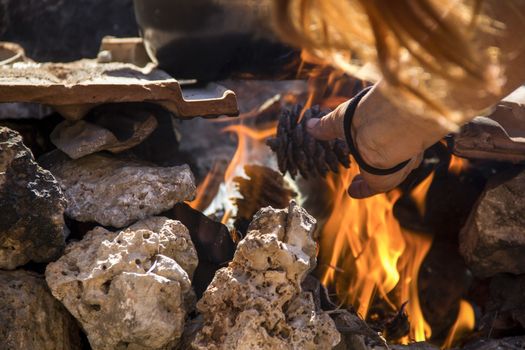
(505, 311)
(32, 206)
(511, 343)
(500, 136)
(116, 192)
(74, 88)
(492, 240)
(111, 129)
(257, 301)
(31, 318)
(129, 289)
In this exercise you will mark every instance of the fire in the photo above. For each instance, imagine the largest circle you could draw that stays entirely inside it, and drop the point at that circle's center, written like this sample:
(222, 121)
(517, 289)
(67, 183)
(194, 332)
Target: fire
(419, 194)
(365, 240)
(208, 188)
(365, 254)
(251, 149)
(464, 324)
(417, 247)
(457, 165)
(243, 153)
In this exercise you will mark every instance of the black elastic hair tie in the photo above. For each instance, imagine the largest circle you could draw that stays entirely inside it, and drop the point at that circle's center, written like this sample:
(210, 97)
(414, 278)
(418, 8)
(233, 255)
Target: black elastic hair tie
(349, 115)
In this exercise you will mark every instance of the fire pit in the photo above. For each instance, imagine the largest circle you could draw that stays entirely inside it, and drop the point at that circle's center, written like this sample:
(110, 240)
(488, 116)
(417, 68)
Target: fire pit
(130, 224)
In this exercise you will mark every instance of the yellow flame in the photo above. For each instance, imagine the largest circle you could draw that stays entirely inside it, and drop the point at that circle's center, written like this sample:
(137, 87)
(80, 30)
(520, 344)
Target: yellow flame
(419, 194)
(364, 239)
(464, 324)
(251, 149)
(208, 188)
(457, 165)
(417, 247)
(243, 151)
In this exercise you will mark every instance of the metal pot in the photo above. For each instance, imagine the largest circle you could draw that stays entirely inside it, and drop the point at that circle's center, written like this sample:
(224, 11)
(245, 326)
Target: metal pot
(210, 39)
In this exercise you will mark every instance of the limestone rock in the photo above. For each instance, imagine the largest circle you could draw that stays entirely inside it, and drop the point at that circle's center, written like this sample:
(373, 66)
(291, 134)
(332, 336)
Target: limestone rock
(116, 192)
(30, 318)
(130, 289)
(492, 240)
(32, 206)
(80, 138)
(257, 302)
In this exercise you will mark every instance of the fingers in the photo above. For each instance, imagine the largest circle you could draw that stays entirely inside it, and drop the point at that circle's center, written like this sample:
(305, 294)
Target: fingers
(366, 185)
(328, 127)
(360, 189)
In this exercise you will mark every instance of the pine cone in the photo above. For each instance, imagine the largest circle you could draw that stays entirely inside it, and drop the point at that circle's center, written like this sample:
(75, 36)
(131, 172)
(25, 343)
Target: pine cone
(299, 152)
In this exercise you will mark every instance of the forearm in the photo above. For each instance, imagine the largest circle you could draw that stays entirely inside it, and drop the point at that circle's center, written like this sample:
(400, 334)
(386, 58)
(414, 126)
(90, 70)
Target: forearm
(387, 133)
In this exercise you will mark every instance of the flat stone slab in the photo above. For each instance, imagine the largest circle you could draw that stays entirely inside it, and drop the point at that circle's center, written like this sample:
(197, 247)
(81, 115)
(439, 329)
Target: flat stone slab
(74, 88)
(500, 136)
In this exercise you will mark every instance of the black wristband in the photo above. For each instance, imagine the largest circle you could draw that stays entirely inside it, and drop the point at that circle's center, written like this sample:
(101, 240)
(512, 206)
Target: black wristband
(349, 115)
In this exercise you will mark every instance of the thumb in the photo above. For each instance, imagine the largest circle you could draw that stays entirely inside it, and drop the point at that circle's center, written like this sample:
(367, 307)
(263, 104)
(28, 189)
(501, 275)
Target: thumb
(328, 127)
(360, 189)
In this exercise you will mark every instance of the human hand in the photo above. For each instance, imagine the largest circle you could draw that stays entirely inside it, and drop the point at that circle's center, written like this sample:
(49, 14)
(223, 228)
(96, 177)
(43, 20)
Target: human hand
(364, 185)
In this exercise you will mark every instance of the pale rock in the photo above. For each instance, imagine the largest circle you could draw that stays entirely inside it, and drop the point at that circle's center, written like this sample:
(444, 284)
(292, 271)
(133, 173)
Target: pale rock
(30, 318)
(130, 289)
(31, 205)
(114, 128)
(257, 302)
(116, 192)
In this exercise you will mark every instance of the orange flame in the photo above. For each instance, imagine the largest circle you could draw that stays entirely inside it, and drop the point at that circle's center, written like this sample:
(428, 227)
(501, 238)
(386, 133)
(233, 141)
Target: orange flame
(251, 149)
(417, 247)
(243, 152)
(457, 165)
(365, 240)
(207, 190)
(464, 324)
(419, 194)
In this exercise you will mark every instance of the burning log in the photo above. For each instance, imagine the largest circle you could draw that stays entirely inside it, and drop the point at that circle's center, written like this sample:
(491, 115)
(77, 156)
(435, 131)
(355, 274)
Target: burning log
(264, 187)
(398, 326)
(298, 151)
(354, 331)
(257, 301)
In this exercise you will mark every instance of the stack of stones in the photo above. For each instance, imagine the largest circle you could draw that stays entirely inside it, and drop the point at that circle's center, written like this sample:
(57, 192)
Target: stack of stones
(126, 283)
(88, 261)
